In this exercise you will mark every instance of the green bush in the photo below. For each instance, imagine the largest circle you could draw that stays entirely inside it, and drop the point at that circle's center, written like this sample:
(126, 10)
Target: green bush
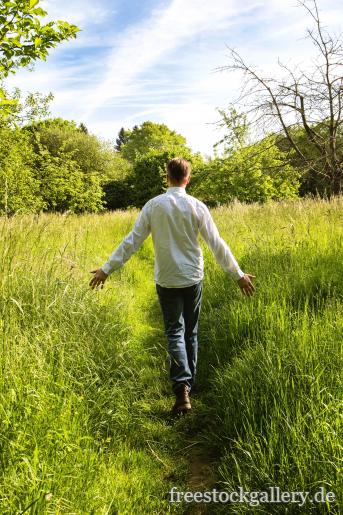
(19, 189)
(149, 172)
(255, 173)
(147, 137)
(91, 154)
(64, 187)
(118, 194)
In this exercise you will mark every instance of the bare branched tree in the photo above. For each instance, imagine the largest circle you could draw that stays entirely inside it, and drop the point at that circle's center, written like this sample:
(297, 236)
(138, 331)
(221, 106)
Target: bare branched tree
(305, 107)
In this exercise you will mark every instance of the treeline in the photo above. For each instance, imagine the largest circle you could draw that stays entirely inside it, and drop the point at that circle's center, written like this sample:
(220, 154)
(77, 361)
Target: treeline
(57, 165)
(52, 164)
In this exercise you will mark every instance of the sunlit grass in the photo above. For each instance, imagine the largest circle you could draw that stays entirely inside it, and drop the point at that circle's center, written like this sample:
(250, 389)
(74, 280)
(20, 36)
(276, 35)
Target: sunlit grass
(84, 393)
(276, 381)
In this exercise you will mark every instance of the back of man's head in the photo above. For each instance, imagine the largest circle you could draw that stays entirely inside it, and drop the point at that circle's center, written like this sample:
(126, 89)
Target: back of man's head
(178, 170)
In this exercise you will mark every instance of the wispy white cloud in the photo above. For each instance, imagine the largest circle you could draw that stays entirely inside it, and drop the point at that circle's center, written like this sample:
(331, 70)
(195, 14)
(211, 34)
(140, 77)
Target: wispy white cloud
(161, 66)
(89, 15)
(144, 45)
(188, 32)
(80, 12)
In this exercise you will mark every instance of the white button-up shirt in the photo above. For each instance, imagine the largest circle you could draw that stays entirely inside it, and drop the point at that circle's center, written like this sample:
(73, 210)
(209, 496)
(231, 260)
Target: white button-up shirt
(175, 220)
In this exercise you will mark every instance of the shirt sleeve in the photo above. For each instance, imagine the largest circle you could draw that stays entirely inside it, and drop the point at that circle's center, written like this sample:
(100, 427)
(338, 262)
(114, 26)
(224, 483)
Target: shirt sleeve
(220, 249)
(130, 244)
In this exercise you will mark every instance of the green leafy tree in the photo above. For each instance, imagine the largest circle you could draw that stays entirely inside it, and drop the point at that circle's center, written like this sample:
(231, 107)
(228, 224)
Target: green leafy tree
(91, 154)
(64, 140)
(119, 167)
(255, 173)
(121, 139)
(24, 39)
(143, 153)
(83, 128)
(118, 185)
(119, 193)
(30, 109)
(33, 179)
(149, 172)
(64, 187)
(150, 136)
(236, 131)
(312, 182)
(19, 187)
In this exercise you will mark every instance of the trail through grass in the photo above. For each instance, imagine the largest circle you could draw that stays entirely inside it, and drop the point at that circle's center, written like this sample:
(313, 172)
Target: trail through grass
(84, 391)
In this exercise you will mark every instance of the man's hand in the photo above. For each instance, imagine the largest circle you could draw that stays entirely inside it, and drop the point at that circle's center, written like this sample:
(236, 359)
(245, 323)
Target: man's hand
(99, 278)
(246, 285)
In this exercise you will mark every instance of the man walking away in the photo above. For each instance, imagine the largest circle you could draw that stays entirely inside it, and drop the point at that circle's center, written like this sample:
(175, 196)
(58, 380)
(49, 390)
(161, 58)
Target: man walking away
(175, 220)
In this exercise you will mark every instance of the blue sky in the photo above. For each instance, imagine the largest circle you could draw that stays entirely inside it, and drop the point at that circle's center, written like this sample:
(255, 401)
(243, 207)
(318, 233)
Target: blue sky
(156, 59)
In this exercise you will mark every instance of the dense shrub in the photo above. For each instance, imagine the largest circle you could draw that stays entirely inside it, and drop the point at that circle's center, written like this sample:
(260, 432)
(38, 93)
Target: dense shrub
(118, 193)
(64, 187)
(91, 154)
(19, 188)
(56, 165)
(257, 172)
(147, 137)
(149, 172)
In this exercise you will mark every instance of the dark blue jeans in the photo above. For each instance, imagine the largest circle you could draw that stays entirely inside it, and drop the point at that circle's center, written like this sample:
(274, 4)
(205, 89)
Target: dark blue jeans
(181, 310)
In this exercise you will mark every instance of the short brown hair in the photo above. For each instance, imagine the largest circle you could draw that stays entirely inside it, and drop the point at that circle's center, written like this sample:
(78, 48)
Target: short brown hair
(178, 169)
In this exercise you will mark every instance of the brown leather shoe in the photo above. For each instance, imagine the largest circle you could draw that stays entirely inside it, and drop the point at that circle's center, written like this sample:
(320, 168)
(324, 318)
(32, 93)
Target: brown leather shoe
(182, 403)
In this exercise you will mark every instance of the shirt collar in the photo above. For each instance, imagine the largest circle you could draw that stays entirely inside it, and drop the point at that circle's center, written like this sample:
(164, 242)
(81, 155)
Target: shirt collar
(176, 189)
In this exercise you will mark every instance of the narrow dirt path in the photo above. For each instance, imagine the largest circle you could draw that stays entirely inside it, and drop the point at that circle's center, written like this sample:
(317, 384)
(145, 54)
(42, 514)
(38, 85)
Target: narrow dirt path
(202, 476)
(200, 458)
(189, 431)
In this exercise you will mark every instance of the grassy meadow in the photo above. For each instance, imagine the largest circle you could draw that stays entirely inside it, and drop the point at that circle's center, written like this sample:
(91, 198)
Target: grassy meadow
(84, 390)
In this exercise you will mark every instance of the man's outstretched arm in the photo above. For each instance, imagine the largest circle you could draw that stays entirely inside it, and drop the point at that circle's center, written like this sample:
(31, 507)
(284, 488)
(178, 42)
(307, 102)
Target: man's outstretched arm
(130, 244)
(222, 252)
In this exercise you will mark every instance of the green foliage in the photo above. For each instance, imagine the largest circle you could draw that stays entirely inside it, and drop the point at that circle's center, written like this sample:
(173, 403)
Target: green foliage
(148, 148)
(149, 172)
(34, 179)
(83, 128)
(121, 139)
(64, 186)
(52, 123)
(91, 154)
(7, 105)
(149, 136)
(23, 38)
(313, 177)
(236, 131)
(119, 193)
(56, 165)
(258, 172)
(149, 175)
(19, 188)
(75, 169)
(33, 108)
(117, 182)
(119, 168)
(84, 388)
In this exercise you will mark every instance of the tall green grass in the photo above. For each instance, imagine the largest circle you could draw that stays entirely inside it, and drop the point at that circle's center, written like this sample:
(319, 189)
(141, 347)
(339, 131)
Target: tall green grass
(79, 433)
(84, 393)
(276, 358)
